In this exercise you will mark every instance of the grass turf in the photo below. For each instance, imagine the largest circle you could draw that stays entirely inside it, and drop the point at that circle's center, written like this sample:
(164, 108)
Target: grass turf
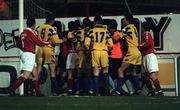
(90, 103)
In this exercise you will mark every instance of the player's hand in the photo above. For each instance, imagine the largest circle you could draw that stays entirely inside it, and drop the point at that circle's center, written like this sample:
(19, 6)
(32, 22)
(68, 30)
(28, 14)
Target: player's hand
(51, 42)
(47, 43)
(64, 39)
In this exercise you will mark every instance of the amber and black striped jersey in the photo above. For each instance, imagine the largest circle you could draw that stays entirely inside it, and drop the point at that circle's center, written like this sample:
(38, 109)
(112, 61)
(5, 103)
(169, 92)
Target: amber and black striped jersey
(131, 37)
(80, 35)
(99, 38)
(47, 32)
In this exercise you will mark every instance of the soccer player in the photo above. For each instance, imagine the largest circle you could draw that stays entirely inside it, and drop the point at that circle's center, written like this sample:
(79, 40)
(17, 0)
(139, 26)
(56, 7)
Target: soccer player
(83, 69)
(133, 55)
(98, 41)
(46, 54)
(116, 55)
(61, 63)
(72, 56)
(150, 63)
(29, 40)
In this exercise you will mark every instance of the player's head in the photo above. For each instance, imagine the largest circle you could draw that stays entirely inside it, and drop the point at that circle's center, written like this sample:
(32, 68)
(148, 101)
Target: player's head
(31, 23)
(97, 20)
(71, 25)
(128, 19)
(58, 25)
(50, 19)
(77, 25)
(146, 26)
(87, 22)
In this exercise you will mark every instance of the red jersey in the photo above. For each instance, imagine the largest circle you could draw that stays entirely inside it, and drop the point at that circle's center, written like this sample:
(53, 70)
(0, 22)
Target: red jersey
(147, 45)
(29, 40)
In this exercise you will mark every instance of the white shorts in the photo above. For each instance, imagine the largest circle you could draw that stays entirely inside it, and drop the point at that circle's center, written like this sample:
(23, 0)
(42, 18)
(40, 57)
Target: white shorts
(28, 61)
(150, 63)
(72, 61)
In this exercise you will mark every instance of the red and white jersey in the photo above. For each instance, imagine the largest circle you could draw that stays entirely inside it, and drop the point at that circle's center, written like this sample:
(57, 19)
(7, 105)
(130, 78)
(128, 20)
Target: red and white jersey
(147, 45)
(29, 40)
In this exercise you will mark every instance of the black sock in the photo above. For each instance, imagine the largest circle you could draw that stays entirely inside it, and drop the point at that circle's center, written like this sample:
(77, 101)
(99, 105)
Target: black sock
(54, 85)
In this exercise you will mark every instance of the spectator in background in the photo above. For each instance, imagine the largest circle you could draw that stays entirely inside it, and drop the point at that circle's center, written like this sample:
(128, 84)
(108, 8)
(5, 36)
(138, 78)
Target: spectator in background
(150, 63)
(5, 11)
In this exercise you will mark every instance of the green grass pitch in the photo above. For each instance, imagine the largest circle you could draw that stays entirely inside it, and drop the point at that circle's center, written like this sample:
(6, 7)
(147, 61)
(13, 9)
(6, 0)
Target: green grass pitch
(89, 103)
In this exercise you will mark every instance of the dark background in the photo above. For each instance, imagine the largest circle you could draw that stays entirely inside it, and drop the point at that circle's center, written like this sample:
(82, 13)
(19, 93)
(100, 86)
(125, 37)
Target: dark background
(82, 8)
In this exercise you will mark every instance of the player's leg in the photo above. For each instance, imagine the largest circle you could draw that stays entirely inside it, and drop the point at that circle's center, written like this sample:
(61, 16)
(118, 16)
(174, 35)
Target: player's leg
(146, 75)
(146, 81)
(49, 57)
(35, 82)
(153, 69)
(114, 64)
(136, 79)
(156, 83)
(28, 63)
(88, 73)
(75, 73)
(25, 75)
(120, 78)
(61, 66)
(39, 60)
(105, 65)
(96, 71)
(69, 69)
(54, 86)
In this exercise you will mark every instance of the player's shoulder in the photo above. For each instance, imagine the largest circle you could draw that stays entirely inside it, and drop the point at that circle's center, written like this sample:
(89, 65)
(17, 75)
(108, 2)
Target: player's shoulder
(47, 26)
(70, 34)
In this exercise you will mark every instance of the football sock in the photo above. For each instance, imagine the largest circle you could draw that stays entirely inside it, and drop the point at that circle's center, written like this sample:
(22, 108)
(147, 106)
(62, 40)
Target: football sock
(111, 83)
(70, 84)
(90, 83)
(136, 83)
(85, 83)
(59, 82)
(36, 87)
(54, 85)
(147, 82)
(78, 82)
(96, 84)
(28, 87)
(120, 82)
(106, 79)
(17, 83)
(157, 84)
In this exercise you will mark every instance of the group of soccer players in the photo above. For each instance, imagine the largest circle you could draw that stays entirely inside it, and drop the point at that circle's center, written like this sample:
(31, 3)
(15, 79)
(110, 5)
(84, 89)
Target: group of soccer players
(96, 60)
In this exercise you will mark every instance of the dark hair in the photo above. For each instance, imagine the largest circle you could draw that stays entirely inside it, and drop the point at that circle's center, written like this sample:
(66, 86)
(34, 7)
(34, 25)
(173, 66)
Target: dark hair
(49, 18)
(71, 25)
(98, 19)
(58, 25)
(129, 17)
(77, 24)
(87, 22)
(146, 26)
(30, 22)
